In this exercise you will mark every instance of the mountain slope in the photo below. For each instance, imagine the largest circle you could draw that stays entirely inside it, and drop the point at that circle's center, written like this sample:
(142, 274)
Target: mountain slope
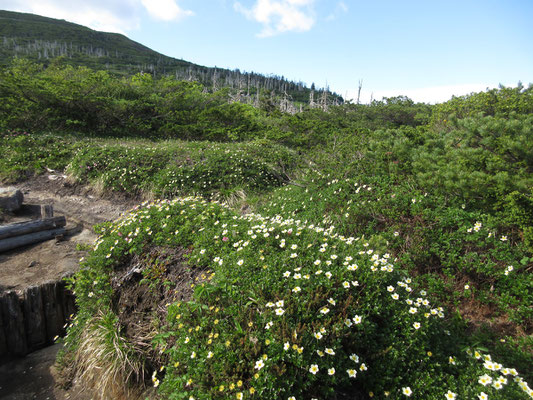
(41, 39)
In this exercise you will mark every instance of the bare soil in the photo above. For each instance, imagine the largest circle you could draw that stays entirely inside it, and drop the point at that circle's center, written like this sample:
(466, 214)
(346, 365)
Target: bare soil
(32, 377)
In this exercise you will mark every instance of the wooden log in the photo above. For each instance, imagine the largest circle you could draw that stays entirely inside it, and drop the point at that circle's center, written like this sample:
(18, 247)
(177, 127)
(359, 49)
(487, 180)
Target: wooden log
(23, 228)
(31, 238)
(53, 310)
(13, 319)
(34, 318)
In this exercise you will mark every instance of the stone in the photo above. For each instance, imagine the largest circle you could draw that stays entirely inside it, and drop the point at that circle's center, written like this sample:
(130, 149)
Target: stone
(11, 200)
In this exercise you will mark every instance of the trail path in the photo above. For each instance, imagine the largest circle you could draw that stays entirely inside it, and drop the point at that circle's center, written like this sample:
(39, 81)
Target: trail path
(32, 377)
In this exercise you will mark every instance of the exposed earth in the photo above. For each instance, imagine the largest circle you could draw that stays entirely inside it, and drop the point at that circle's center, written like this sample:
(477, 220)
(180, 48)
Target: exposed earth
(32, 377)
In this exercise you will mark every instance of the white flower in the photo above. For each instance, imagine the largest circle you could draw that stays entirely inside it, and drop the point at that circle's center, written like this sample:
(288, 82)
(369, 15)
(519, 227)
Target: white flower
(497, 385)
(483, 396)
(390, 288)
(296, 289)
(280, 311)
(450, 395)
(357, 319)
(416, 325)
(485, 380)
(503, 238)
(280, 303)
(354, 358)
(346, 284)
(287, 274)
(407, 391)
(318, 335)
(331, 371)
(351, 373)
(324, 310)
(294, 255)
(313, 369)
(240, 262)
(210, 354)
(259, 364)
(329, 351)
(331, 301)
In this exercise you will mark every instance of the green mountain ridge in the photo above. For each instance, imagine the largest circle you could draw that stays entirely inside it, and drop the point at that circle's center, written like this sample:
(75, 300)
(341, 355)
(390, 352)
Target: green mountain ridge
(41, 39)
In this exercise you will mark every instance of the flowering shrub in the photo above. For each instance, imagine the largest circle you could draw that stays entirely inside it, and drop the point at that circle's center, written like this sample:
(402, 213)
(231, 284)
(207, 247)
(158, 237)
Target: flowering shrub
(289, 309)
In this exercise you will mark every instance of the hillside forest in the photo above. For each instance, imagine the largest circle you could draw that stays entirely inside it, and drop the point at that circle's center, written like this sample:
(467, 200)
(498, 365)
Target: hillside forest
(347, 250)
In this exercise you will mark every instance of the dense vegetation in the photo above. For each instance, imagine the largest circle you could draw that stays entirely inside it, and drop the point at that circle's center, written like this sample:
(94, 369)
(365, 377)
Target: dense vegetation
(381, 250)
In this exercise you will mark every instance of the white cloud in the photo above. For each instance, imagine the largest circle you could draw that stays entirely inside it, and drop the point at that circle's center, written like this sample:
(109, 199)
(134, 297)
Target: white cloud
(165, 10)
(434, 94)
(279, 16)
(340, 9)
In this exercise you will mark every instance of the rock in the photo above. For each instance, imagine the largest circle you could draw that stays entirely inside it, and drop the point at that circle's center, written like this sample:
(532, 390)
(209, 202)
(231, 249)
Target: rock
(33, 264)
(11, 200)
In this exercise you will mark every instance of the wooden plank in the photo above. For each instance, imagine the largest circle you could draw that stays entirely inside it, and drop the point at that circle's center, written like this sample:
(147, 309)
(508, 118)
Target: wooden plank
(23, 228)
(31, 238)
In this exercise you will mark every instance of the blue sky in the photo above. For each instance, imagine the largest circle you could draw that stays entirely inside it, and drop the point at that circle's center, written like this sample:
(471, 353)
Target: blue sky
(427, 50)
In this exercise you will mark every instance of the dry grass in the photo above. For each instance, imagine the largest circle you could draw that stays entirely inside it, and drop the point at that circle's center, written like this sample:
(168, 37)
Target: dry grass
(106, 363)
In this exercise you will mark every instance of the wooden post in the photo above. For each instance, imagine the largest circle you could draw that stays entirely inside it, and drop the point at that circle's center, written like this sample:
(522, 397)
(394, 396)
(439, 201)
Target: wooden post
(3, 343)
(13, 319)
(34, 318)
(47, 211)
(53, 310)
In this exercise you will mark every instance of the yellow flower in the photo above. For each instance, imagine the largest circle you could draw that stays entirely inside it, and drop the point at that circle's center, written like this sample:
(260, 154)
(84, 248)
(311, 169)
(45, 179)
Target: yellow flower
(239, 383)
(231, 386)
(252, 390)
(221, 388)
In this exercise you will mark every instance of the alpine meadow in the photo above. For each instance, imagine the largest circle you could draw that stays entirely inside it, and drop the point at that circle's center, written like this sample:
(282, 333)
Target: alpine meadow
(287, 243)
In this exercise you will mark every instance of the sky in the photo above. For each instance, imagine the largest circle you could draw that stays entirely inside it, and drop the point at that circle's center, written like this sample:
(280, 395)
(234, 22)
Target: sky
(427, 50)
